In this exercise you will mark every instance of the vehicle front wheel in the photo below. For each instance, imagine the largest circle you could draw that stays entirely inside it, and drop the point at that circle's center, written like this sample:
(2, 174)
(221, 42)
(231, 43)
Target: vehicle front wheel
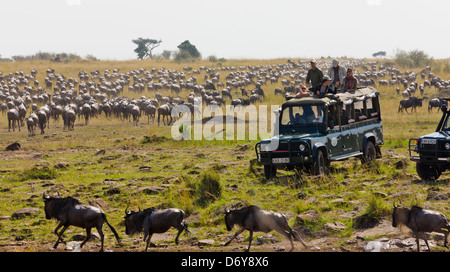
(270, 171)
(319, 166)
(427, 172)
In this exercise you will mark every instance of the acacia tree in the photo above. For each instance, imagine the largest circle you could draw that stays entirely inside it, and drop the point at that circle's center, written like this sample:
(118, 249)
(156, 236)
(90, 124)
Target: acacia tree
(145, 46)
(189, 48)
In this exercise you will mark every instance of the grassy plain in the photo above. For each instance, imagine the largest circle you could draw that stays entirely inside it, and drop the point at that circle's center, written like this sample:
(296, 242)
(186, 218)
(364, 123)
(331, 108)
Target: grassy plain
(144, 167)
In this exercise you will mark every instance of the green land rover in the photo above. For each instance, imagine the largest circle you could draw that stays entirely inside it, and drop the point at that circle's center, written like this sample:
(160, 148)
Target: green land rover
(314, 131)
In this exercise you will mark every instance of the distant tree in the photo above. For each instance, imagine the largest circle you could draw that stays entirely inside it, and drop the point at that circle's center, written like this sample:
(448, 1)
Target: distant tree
(189, 48)
(379, 53)
(145, 46)
(166, 54)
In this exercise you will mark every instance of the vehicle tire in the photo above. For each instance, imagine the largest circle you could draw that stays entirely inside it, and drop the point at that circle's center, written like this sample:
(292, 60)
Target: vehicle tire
(270, 171)
(427, 172)
(320, 165)
(369, 153)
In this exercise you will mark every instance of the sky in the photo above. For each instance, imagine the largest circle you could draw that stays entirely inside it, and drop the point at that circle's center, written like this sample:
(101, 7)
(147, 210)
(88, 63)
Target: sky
(232, 29)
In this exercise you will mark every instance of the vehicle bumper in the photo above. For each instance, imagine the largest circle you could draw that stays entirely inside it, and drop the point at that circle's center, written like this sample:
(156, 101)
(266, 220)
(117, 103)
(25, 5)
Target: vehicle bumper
(283, 158)
(427, 156)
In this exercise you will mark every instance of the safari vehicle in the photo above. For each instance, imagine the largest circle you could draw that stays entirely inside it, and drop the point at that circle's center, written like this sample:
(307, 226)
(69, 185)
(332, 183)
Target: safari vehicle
(432, 152)
(316, 131)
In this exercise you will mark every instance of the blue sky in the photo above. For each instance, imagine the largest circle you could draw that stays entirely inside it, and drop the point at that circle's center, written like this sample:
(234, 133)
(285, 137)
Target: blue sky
(259, 29)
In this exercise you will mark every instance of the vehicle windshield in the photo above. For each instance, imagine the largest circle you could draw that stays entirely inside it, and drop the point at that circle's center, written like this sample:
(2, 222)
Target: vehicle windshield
(302, 115)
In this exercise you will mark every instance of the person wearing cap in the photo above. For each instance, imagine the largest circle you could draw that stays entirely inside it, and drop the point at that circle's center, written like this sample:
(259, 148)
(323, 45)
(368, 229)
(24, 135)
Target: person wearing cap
(303, 91)
(314, 75)
(349, 83)
(336, 73)
(322, 89)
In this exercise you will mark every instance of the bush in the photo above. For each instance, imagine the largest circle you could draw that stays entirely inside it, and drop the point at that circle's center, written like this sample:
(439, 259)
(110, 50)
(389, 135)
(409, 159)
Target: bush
(209, 188)
(412, 59)
(38, 173)
(373, 215)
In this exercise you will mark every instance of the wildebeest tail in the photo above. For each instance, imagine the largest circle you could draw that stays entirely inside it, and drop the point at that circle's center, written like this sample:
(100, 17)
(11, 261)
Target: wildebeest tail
(112, 229)
(185, 226)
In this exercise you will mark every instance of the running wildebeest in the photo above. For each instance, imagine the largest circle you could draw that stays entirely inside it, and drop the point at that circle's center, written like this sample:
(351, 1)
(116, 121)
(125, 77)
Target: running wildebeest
(71, 212)
(419, 221)
(253, 218)
(152, 221)
(411, 102)
(13, 118)
(13, 147)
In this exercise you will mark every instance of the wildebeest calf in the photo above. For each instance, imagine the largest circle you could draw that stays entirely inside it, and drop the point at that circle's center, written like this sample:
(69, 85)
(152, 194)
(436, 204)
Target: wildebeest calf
(71, 212)
(152, 221)
(253, 218)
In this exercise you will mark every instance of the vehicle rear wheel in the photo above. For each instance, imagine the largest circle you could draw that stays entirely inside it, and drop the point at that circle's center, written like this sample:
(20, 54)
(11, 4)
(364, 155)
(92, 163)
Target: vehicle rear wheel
(370, 153)
(270, 171)
(319, 166)
(427, 172)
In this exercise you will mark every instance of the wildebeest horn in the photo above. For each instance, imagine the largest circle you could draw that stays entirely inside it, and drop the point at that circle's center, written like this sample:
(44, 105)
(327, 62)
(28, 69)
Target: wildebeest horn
(44, 196)
(126, 209)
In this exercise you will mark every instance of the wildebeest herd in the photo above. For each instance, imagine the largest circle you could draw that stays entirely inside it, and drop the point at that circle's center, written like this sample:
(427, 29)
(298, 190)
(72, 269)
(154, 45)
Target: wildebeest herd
(89, 95)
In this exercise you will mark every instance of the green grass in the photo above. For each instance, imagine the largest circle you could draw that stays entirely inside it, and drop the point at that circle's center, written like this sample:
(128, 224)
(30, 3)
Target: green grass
(139, 160)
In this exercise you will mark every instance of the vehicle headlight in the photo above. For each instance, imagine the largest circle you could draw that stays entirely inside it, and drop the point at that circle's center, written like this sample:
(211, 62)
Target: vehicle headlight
(447, 146)
(302, 147)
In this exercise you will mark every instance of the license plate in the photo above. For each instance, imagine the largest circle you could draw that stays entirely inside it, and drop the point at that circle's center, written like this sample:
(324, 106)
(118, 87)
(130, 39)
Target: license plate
(428, 141)
(280, 160)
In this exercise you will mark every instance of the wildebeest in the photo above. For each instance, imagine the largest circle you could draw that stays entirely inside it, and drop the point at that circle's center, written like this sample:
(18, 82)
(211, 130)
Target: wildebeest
(30, 126)
(411, 102)
(150, 111)
(86, 111)
(42, 116)
(136, 113)
(69, 116)
(419, 221)
(253, 218)
(13, 147)
(165, 110)
(436, 103)
(152, 221)
(71, 212)
(13, 118)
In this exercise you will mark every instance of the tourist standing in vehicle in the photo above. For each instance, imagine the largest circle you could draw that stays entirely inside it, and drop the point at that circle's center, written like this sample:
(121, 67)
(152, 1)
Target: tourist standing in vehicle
(314, 75)
(336, 73)
(349, 83)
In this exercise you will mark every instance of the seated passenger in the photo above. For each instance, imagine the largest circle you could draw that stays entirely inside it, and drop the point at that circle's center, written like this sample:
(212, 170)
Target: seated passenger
(303, 91)
(298, 118)
(349, 83)
(308, 114)
(322, 89)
